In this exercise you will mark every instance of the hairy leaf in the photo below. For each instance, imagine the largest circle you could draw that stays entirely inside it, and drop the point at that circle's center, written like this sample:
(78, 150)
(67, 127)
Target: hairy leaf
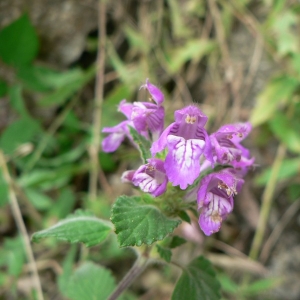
(81, 227)
(140, 223)
(198, 281)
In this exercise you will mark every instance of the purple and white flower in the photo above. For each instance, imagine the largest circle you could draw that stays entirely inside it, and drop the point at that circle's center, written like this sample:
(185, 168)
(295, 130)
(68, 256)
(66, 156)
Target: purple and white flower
(146, 117)
(215, 199)
(151, 177)
(226, 143)
(186, 140)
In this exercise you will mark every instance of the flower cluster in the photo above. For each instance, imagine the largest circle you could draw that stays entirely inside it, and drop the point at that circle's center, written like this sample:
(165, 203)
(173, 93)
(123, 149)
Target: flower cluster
(191, 150)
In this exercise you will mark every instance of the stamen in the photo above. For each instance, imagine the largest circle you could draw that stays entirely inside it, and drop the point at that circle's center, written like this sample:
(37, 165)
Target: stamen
(190, 119)
(215, 217)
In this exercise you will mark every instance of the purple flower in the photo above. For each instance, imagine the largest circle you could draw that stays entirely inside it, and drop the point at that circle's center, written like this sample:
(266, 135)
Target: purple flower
(151, 178)
(186, 140)
(147, 118)
(116, 136)
(226, 143)
(215, 199)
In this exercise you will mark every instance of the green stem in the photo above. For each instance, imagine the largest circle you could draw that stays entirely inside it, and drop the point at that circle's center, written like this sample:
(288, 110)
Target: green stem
(267, 198)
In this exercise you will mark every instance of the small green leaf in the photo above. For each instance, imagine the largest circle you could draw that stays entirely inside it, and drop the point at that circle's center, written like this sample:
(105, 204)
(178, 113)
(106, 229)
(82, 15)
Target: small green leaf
(38, 199)
(279, 90)
(197, 281)
(139, 223)
(3, 88)
(17, 101)
(177, 241)
(193, 50)
(184, 216)
(18, 42)
(90, 281)
(19, 132)
(164, 253)
(142, 143)
(284, 130)
(72, 84)
(81, 227)
(3, 190)
(63, 279)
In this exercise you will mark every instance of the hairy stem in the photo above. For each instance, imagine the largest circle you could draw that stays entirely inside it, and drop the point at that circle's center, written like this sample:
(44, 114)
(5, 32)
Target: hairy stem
(21, 226)
(138, 267)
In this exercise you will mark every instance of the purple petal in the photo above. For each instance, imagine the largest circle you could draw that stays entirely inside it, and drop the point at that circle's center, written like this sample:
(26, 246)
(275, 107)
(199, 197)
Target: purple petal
(116, 136)
(112, 141)
(236, 132)
(191, 115)
(151, 178)
(125, 108)
(161, 143)
(127, 176)
(154, 91)
(182, 162)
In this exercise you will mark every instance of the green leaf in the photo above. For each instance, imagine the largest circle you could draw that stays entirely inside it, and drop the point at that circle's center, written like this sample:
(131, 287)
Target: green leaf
(63, 279)
(42, 79)
(192, 50)
(279, 90)
(227, 284)
(137, 40)
(164, 253)
(17, 102)
(38, 199)
(176, 241)
(289, 168)
(19, 132)
(284, 130)
(287, 41)
(184, 216)
(143, 144)
(3, 88)
(197, 281)
(18, 42)
(259, 286)
(90, 281)
(140, 223)
(71, 85)
(81, 227)
(14, 255)
(3, 190)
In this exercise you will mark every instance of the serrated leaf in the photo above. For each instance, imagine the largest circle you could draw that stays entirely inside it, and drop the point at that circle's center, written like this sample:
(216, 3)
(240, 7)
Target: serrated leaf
(177, 241)
(80, 227)
(279, 90)
(143, 144)
(90, 281)
(197, 281)
(284, 130)
(18, 42)
(139, 223)
(164, 253)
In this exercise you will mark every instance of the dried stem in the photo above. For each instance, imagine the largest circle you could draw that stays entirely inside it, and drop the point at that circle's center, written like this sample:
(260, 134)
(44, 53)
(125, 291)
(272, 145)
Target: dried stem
(229, 68)
(273, 238)
(99, 88)
(267, 198)
(21, 226)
